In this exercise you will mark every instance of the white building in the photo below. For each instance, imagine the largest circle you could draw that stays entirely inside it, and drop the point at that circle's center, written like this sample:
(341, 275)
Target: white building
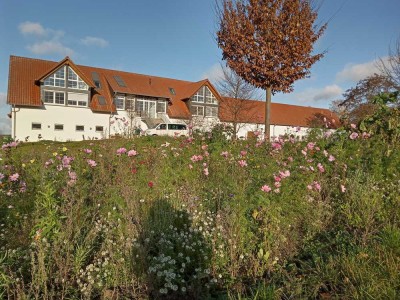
(63, 101)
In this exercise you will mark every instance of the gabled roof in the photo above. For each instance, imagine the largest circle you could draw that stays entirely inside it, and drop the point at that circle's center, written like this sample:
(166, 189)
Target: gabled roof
(67, 62)
(24, 72)
(252, 111)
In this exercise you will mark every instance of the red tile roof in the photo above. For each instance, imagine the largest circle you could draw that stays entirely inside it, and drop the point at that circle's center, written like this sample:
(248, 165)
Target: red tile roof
(252, 111)
(24, 89)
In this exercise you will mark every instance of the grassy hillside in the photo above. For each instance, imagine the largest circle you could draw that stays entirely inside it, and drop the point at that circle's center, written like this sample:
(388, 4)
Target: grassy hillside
(202, 218)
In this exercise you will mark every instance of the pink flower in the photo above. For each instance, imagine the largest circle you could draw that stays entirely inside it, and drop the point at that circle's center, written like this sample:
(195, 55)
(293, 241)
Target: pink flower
(121, 151)
(132, 153)
(224, 154)
(311, 168)
(365, 135)
(321, 168)
(304, 152)
(190, 166)
(266, 188)
(87, 151)
(150, 184)
(277, 184)
(331, 158)
(276, 146)
(277, 178)
(195, 158)
(310, 146)
(353, 136)
(205, 171)
(14, 177)
(204, 147)
(325, 153)
(72, 175)
(317, 186)
(342, 188)
(91, 163)
(309, 187)
(290, 159)
(242, 163)
(243, 153)
(66, 161)
(354, 126)
(284, 174)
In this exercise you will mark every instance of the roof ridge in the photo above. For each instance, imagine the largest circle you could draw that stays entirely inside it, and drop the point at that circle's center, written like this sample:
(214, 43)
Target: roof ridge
(100, 68)
(273, 103)
(140, 74)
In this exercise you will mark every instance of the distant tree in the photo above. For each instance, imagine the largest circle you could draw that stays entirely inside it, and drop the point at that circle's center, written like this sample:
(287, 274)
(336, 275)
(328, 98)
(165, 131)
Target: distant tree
(269, 43)
(238, 108)
(357, 102)
(390, 67)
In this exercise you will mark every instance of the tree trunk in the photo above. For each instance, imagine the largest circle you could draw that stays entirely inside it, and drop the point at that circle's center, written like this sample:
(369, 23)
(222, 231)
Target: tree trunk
(267, 113)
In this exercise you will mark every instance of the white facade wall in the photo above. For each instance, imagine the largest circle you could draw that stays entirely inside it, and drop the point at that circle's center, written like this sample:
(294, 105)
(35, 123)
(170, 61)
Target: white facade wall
(67, 116)
(275, 130)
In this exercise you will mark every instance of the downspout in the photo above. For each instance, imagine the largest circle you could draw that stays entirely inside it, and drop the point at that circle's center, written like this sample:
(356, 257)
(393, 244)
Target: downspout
(14, 111)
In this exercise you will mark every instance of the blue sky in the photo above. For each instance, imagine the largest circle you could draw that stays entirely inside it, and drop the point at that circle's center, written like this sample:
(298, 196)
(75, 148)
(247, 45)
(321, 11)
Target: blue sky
(176, 39)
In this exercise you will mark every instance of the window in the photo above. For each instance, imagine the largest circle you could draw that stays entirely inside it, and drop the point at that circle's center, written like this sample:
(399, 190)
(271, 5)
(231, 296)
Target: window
(199, 96)
(119, 81)
(75, 82)
(119, 102)
(176, 127)
(36, 126)
(80, 128)
(59, 98)
(58, 127)
(198, 110)
(48, 97)
(99, 128)
(210, 98)
(57, 79)
(172, 91)
(130, 103)
(211, 111)
(101, 100)
(53, 97)
(162, 127)
(96, 80)
(161, 106)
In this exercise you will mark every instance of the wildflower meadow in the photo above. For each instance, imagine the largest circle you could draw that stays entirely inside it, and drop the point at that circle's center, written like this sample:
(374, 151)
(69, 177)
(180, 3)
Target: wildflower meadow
(202, 218)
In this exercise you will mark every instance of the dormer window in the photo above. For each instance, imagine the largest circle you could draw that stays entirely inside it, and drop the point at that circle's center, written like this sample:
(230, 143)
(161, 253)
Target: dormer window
(56, 79)
(75, 82)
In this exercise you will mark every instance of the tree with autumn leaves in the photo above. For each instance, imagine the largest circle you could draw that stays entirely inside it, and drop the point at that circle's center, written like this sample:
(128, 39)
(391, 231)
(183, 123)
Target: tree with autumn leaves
(269, 43)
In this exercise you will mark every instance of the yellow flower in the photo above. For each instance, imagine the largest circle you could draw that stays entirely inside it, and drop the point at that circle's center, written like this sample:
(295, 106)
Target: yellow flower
(55, 153)
(32, 161)
(23, 165)
(64, 149)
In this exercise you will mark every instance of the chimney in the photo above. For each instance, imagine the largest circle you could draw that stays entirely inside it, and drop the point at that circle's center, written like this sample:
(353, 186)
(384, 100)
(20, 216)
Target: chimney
(150, 80)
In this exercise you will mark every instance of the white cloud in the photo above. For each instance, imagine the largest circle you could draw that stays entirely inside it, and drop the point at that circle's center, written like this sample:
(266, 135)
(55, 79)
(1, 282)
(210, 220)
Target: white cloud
(28, 28)
(50, 47)
(357, 72)
(312, 95)
(213, 74)
(94, 41)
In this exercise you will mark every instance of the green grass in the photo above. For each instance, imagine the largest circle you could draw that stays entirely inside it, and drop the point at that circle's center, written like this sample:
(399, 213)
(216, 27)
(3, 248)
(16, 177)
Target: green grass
(183, 219)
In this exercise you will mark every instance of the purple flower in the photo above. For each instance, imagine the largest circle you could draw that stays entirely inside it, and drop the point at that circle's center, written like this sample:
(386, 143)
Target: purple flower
(87, 151)
(132, 153)
(14, 177)
(91, 163)
(121, 151)
(353, 136)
